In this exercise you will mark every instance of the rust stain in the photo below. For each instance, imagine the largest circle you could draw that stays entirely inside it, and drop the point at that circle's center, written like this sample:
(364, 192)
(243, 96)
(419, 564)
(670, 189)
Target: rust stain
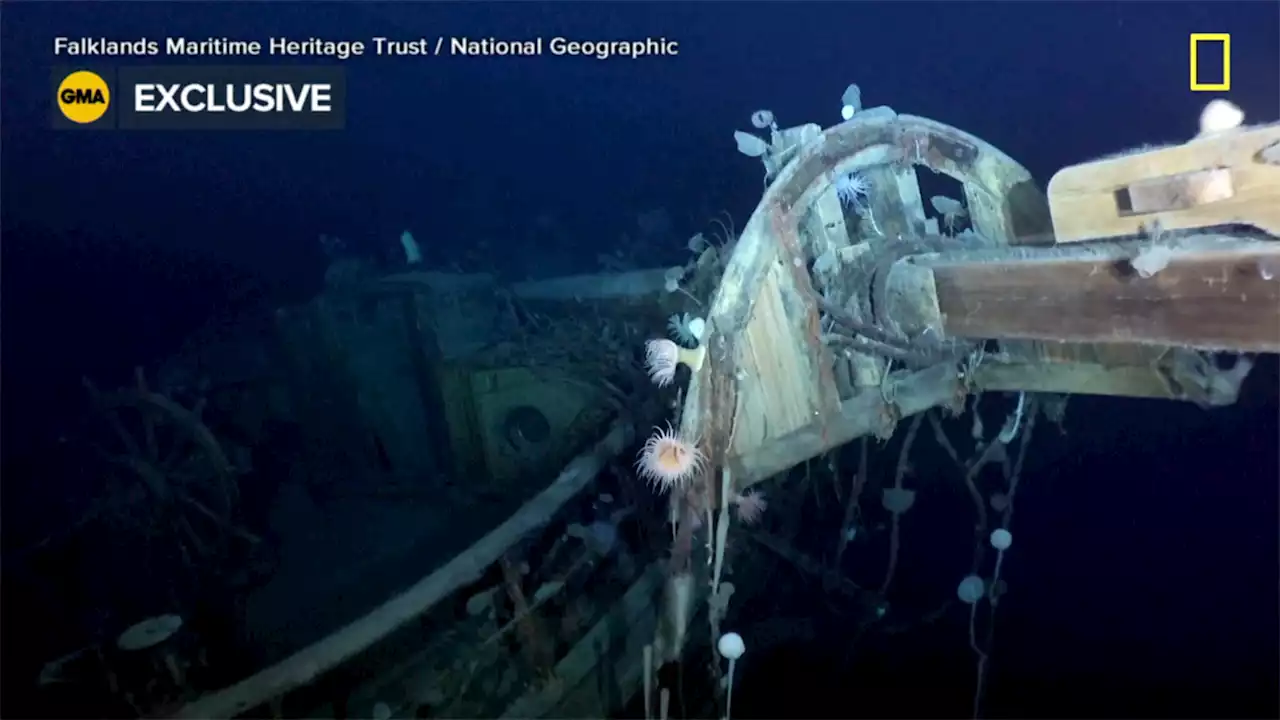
(815, 163)
(955, 150)
(936, 150)
(719, 402)
(786, 228)
(912, 145)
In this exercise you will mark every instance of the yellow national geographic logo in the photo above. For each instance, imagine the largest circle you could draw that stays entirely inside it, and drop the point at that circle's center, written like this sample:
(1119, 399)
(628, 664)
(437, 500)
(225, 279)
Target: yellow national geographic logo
(83, 97)
(1210, 39)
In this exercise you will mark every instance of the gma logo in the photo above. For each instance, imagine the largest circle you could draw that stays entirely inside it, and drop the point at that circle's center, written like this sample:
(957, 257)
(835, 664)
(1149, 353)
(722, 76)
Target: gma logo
(83, 97)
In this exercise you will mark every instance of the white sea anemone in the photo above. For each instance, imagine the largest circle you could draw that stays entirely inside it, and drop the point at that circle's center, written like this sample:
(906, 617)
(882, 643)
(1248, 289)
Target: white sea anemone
(662, 356)
(852, 189)
(668, 459)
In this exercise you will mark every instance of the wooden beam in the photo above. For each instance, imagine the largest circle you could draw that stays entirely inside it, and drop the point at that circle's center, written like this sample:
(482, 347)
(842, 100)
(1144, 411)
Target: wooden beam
(940, 385)
(311, 662)
(1215, 292)
(1074, 378)
(1227, 178)
(860, 415)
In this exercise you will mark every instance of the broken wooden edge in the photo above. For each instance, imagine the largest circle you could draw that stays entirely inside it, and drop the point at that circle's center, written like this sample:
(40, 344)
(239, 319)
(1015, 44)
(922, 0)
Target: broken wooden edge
(1211, 292)
(342, 645)
(634, 613)
(1221, 179)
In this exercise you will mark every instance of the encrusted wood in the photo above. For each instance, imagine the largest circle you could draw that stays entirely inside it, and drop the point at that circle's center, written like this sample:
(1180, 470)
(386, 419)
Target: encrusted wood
(1213, 294)
(764, 314)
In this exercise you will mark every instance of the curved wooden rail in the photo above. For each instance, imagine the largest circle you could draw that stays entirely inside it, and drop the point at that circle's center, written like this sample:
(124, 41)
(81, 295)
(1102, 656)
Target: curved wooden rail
(768, 374)
(323, 656)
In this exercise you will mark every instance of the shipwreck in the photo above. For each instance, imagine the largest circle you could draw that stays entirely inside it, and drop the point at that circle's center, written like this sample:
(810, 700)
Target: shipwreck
(852, 305)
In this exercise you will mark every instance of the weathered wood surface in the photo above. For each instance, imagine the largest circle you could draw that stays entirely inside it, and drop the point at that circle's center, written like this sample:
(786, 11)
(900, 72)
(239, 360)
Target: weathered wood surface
(858, 416)
(572, 287)
(824, 226)
(311, 662)
(1071, 318)
(1217, 292)
(613, 646)
(1003, 199)
(1075, 378)
(1228, 178)
(940, 386)
(637, 284)
(763, 321)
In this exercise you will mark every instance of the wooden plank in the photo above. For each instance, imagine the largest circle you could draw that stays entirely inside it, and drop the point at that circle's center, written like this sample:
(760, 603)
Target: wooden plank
(1229, 178)
(1216, 292)
(617, 639)
(1207, 299)
(1108, 355)
(858, 416)
(1074, 379)
(827, 232)
(938, 386)
(636, 284)
(777, 394)
(310, 662)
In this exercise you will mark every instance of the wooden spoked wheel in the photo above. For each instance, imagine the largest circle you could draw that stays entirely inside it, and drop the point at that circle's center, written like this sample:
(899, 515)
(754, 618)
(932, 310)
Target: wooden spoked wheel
(170, 479)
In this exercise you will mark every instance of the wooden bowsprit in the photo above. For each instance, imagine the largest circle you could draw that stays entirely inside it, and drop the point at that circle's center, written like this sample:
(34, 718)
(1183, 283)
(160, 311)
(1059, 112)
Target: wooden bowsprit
(1166, 247)
(1215, 292)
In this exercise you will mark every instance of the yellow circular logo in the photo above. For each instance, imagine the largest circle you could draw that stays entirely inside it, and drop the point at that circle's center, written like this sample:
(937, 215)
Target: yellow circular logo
(83, 97)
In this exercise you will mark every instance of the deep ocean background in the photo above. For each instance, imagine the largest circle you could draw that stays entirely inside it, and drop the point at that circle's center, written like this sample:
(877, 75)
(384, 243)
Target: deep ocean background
(1144, 581)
